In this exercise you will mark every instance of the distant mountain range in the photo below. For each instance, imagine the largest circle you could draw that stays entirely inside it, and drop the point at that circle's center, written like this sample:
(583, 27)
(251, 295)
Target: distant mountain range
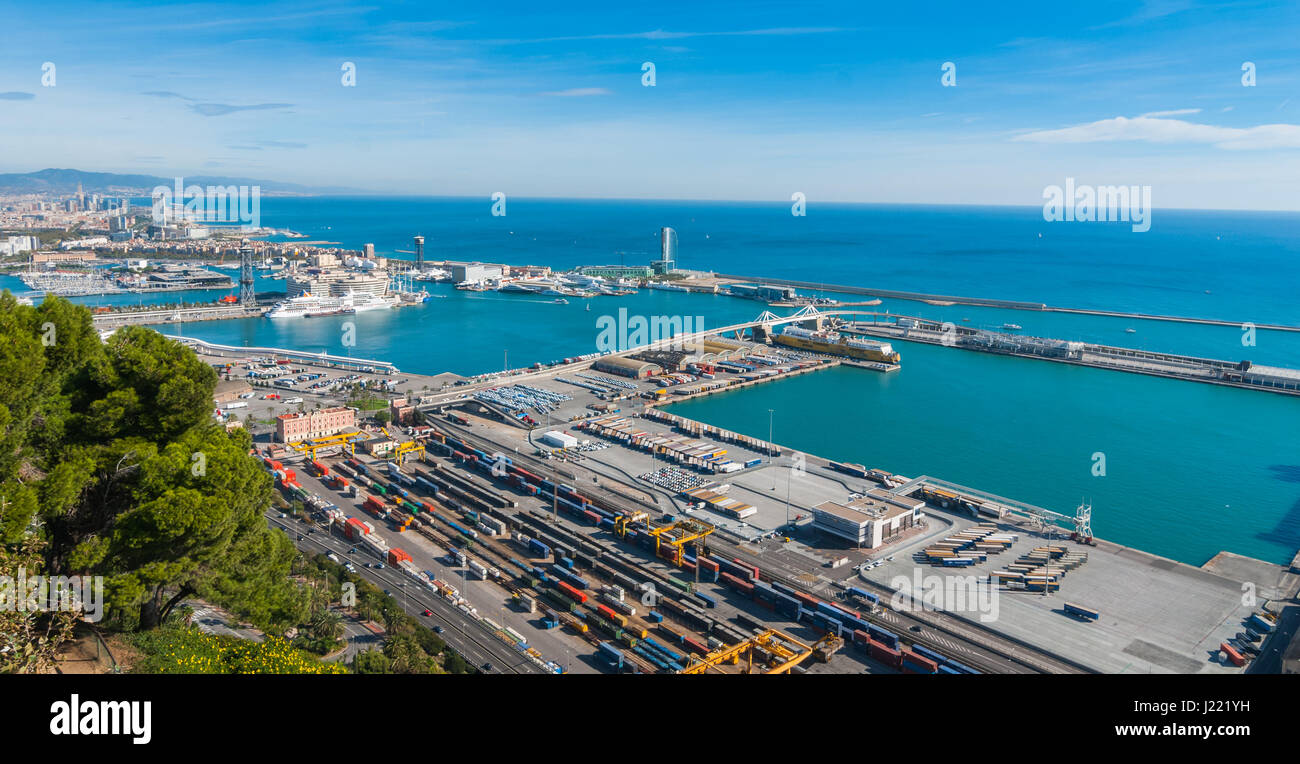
(56, 181)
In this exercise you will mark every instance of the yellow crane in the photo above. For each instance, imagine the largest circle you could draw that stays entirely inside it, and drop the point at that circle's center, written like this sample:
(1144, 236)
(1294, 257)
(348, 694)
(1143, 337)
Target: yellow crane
(677, 535)
(344, 439)
(788, 650)
(408, 447)
(624, 523)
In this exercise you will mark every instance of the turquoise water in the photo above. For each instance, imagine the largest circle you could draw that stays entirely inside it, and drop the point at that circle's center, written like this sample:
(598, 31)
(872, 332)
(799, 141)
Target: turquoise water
(1191, 469)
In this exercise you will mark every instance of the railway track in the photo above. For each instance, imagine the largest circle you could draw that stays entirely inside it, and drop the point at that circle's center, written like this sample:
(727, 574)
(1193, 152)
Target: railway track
(941, 632)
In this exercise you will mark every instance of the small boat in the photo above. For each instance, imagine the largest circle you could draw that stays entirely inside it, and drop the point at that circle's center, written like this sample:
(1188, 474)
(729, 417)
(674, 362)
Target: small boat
(965, 319)
(1012, 327)
(559, 301)
(588, 306)
(1130, 330)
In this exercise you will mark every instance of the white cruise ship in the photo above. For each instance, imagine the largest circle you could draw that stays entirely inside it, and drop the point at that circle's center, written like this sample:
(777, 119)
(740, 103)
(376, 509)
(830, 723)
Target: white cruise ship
(360, 303)
(307, 305)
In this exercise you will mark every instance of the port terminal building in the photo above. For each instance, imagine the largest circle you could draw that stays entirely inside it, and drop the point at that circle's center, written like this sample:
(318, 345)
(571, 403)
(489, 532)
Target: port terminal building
(627, 367)
(869, 521)
(291, 428)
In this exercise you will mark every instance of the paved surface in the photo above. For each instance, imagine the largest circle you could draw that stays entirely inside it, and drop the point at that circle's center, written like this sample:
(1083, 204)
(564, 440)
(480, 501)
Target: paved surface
(488, 598)
(463, 633)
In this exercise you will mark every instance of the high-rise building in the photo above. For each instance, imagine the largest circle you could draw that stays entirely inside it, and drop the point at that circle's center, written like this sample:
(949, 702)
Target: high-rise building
(368, 251)
(419, 253)
(667, 261)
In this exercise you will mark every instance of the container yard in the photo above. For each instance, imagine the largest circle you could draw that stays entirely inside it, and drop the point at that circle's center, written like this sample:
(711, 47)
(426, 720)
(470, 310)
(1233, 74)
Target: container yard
(620, 523)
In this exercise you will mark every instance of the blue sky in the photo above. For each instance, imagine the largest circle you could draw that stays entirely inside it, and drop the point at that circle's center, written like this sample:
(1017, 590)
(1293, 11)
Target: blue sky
(753, 100)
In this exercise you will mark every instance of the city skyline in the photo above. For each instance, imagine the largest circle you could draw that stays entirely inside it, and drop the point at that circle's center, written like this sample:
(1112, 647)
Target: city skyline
(836, 102)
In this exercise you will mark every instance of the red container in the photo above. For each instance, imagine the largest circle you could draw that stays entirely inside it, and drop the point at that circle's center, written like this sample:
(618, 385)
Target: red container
(396, 556)
(807, 599)
(426, 506)
(1233, 655)
(709, 564)
(734, 582)
(290, 476)
(853, 613)
(321, 470)
(885, 655)
(861, 637)
(695, 646)
(930, 666)
(592, 516)
(605, 611)
(576, 594)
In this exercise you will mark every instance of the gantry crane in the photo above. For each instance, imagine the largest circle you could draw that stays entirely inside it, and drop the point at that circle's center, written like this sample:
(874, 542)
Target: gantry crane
(624, 523)
(790, 651)
(403, 449)
(679, 535)
(343, 439)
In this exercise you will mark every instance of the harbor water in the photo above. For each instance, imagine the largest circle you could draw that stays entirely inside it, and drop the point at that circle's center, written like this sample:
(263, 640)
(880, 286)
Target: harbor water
(1192, 469)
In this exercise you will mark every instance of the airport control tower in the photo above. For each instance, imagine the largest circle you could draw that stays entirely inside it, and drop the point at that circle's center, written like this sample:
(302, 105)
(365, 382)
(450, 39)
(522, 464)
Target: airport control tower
(667, 261)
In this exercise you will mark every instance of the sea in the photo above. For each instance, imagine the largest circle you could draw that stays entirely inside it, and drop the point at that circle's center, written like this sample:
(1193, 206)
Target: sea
(1189, 469)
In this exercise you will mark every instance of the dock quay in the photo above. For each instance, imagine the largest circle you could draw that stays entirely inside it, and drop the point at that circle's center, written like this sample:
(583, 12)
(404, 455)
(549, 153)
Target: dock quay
(1208, 370)
(326, 360)
(115, 319)
(938, 299)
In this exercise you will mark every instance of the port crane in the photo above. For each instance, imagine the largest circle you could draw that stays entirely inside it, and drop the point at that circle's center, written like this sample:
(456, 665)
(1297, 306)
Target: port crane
(408, 447)
(677, 535)
(343, 440)
(788, 650)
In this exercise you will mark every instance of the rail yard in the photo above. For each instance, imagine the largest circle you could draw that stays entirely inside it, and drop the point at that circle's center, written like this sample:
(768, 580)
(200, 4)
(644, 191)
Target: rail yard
(567, 519)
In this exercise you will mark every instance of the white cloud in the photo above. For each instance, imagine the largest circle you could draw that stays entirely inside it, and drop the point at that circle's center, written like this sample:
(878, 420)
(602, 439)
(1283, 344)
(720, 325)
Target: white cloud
(1156, 130)
(1171, 113)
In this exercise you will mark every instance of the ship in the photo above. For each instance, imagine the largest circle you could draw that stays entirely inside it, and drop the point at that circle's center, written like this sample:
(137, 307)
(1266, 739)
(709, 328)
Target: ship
(1012, 327)
(361, 303)
(837, 344)
(308, 305)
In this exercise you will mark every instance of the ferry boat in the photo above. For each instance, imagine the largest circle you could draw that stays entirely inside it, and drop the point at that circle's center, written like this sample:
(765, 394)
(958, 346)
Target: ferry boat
(837, 344)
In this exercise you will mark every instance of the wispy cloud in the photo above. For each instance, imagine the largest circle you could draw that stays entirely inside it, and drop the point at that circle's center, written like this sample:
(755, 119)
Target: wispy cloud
(1155, 130)
(16, 95)
(579, 92)
(220, 109)
(1171, 113)
(208, 109)
(661, 34)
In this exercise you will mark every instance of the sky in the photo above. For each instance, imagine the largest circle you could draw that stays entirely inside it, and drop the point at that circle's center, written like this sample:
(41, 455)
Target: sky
(756, 100)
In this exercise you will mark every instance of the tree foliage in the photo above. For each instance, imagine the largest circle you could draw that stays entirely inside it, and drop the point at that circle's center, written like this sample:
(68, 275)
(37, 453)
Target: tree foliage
(109, 455)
